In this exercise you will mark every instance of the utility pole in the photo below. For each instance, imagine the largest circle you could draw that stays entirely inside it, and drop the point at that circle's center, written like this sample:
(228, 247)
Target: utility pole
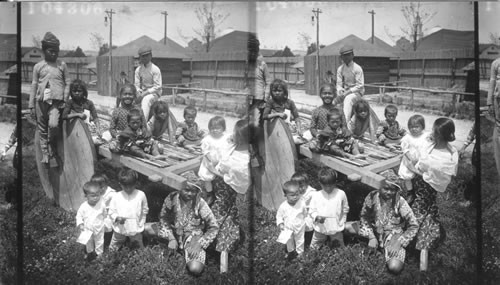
(316, 12)
(109, 14)
(373, 25)
(164, 13)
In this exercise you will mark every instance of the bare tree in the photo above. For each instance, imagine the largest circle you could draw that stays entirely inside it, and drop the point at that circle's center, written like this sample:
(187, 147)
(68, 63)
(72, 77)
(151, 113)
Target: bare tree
(495, 38)
(210, 18)
(416, 18)
(37, 41)
(304, 40)
(96, 40)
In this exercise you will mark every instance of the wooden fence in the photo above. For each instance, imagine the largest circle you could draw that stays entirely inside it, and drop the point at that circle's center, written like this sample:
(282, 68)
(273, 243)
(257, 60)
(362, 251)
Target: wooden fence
(281, 67)
(76, 67)
(435, 68)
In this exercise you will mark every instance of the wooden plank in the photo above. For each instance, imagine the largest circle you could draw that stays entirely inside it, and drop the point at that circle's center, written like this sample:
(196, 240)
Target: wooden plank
(385, 164)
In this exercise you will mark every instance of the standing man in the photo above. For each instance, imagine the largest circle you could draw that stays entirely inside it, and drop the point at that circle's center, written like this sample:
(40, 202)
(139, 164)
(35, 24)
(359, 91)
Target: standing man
(350, 81)
(493, 102)
(147, 81)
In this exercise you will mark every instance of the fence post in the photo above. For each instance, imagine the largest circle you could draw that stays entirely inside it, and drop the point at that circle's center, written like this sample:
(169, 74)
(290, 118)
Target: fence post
(422, 78)
(411, 100)
(215, 75)
(174, 92)
(380, 95)
(205, 101)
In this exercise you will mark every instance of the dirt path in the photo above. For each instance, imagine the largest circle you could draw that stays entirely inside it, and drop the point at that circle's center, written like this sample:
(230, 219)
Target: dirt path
(462, 127)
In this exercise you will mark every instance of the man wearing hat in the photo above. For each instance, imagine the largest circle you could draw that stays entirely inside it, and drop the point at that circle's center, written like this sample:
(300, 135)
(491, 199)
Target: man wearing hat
(493, 102)
(49, 91)
(147, 80)
(350, 81)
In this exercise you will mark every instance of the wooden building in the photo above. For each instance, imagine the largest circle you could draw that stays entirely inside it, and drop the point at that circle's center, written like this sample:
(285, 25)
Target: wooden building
(8, 54)
(487, 54)
(372, 58)
(124, 58)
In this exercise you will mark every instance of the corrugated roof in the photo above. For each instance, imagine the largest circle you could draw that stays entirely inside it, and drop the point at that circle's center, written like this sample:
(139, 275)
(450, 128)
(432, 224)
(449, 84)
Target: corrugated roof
(361, 48)
(447, 39)
(172, 45)
(382, 44)
(159, 50)
(233, 41)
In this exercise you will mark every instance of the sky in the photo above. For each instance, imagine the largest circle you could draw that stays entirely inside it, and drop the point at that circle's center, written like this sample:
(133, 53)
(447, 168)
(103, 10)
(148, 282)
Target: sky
(339, 20)
(73, 22)
(8, 14)
(489, 13)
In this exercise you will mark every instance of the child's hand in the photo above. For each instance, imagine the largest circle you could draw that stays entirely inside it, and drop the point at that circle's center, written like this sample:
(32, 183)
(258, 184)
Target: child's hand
(82, 116)
(282, 227)
(373, 243)
(120, 220)
(320, 219)
(461, 152)
(81, 227)
(283, 116)
(172, 244)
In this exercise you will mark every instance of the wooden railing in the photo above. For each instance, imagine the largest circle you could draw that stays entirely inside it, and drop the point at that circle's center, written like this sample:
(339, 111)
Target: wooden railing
(205, 93)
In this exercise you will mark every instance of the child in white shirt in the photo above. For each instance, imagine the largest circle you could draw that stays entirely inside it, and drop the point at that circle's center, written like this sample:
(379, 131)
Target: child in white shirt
(410, 145)
(90, 217)
(306, 191)
(107, 194)
(291, 217)
(128, 210)
(328, 210)
(214, 146)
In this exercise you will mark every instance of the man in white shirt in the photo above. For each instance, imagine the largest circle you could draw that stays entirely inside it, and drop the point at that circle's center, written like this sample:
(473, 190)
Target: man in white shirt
(147, 80)
(350, 81)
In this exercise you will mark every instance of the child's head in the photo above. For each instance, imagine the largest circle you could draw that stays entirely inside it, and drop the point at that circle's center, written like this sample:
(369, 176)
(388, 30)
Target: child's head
(128, 94)
(241, 132)
(327, 92)
(388, 190)
(50, 47)
(92, 192)
(278, 90)
(291, 189)
(327, 178)
(134, 119)
(390, 113)
(190, 192)
(334, 118)
(361, 109)
(217, 126)
(416, 124)
(102, 180)
(190, 114)
(443, 130)
(302, 179)
(160, 109)
(127, 179)
(78, 90)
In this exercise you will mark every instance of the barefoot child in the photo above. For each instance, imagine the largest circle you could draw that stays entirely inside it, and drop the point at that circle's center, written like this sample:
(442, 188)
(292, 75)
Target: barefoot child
(90, 220)
(49, 92)
(362, 122)
(389, 223)
(128, 210)
(389, 131)
(437, 163)
(136, 139)
(189, 224)
(290, 219)
(328, 210)
(79, 105)
(319, 120)
(277, 105)
(335, 138)
(410, 145)
(213, 146)
(188, 134)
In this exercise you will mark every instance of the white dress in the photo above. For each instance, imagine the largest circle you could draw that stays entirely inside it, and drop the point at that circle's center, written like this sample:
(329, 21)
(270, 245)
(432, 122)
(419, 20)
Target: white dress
(411, 147)
(213, 149)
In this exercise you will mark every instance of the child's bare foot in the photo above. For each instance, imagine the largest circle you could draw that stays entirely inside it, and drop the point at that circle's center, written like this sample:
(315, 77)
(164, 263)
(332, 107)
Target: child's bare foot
(45, 158)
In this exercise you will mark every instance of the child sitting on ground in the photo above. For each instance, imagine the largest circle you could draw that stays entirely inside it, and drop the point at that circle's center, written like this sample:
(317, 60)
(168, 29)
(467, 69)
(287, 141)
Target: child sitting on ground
(389, 223)
(410, 145)
(389, 132)
(119, 121)
(188, 134)
(81, 107)
(160, 121)
(136, 139)
(306, 192)
(128, 210)
(213, 146)
(107, 195)
(319, 120)
(335, 138)
(362, 121)
(290, 219)
(189, 224)
(90, 220)
(278, 105)
(328, 208)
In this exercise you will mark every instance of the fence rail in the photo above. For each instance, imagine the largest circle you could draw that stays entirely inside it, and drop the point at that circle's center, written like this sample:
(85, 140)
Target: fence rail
(205, 93)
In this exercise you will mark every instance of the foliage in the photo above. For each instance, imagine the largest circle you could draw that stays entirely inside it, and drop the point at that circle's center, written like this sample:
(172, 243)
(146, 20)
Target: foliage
(210, 18)
(312, 48)
(494, 38)
(76, 53)
(286, 52)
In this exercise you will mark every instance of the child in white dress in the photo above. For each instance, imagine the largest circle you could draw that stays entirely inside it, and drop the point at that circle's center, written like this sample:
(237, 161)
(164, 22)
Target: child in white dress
(107, 195)
(214, 147)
